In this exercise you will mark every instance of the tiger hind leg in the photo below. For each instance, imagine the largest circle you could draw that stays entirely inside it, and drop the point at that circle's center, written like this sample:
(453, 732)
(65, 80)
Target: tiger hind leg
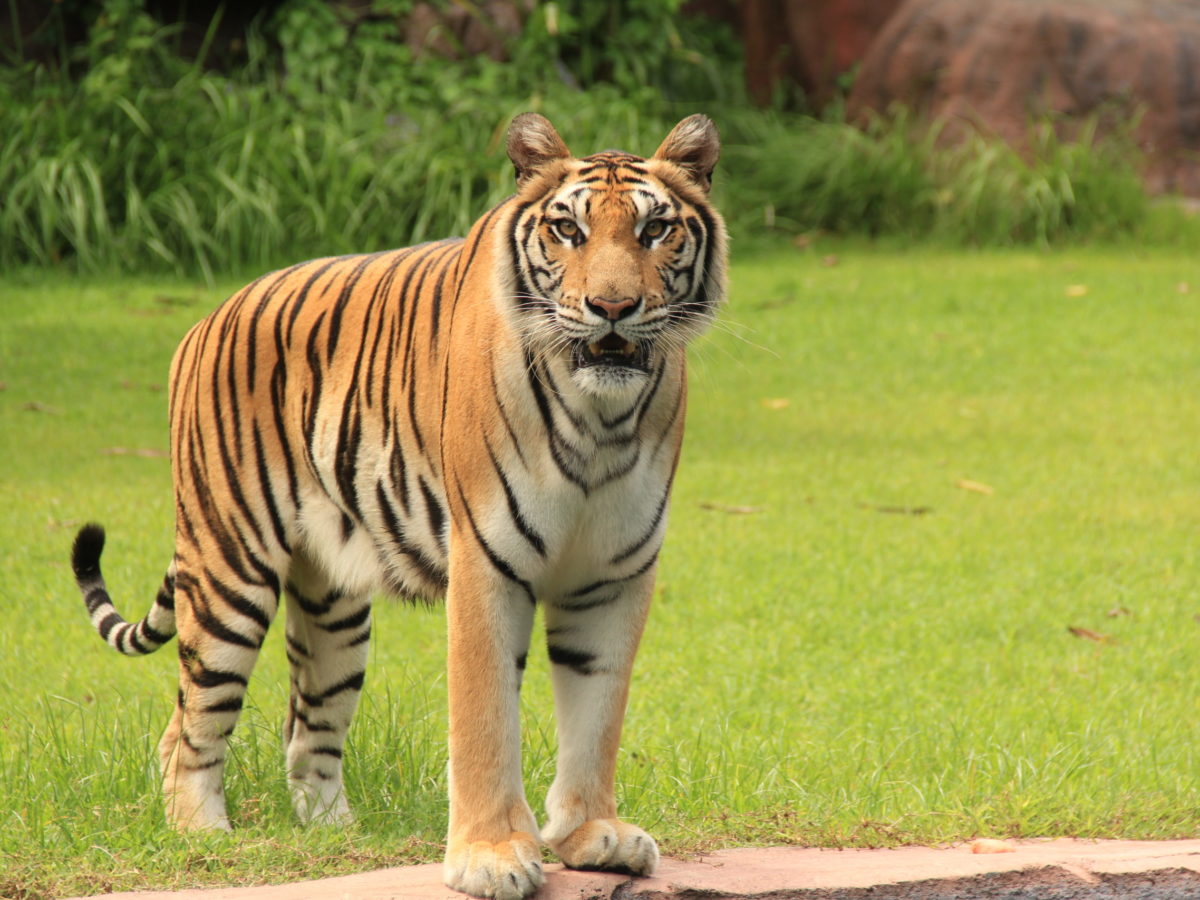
(328, 636)
(221, 628)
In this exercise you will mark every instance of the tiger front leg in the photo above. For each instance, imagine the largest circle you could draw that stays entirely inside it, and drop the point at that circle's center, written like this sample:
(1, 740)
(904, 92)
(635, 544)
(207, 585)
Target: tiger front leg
(492, 849)
(592, 641)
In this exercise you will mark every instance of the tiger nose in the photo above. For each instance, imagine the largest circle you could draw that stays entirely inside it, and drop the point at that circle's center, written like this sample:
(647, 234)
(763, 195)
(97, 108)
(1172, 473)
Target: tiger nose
(612, 309)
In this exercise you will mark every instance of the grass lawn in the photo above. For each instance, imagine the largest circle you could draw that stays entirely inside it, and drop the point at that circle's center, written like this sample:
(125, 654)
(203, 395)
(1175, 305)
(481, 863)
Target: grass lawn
(908, 475)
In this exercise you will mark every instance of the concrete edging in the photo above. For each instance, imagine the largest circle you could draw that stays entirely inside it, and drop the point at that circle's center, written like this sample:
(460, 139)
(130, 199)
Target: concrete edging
(1062, 868)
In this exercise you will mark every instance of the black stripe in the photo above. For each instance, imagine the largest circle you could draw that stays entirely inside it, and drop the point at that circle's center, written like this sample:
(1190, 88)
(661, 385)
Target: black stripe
(435, 310)
(605, 582)
(427, 568)
(351, 683)
(200, 767)
(345, 456)
(268, 494)
(205, 618)
(339, 305)
(311, 399)
(579, 661)
(666, 432)
(135, 642)
(297, 300)
(499, 564)
(584, 605)
(649, 532)
(313, 607)
(278, 398)
(435, 514)
(108, 623)
(552, 436)
(310, 725)
(150, 633)
(354, 620)
(514, 509)
(512, 434)
(232, 705)
(214, 677)
(238, 602)
(95, 598)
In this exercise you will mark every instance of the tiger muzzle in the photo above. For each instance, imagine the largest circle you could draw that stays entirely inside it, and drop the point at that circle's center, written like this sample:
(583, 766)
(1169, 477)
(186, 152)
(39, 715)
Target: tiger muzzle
(612, 350)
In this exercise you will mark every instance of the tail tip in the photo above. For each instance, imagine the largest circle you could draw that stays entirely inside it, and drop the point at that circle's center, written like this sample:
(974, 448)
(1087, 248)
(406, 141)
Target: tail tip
(85, 553)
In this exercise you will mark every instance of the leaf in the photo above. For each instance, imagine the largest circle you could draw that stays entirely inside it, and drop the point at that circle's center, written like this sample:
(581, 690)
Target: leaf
(830, 261)
(1118, 611)
(899, 510)
(733, 510)
(977, 487)
(1088, 635)
(776, 402)
(1077, 290)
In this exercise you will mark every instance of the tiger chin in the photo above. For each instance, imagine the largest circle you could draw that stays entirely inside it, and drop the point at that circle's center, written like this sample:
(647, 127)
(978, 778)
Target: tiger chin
(495, 420)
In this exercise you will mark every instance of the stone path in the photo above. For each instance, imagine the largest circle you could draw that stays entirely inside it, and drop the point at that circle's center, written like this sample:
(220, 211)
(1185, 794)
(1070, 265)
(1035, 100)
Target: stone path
(1019, 870)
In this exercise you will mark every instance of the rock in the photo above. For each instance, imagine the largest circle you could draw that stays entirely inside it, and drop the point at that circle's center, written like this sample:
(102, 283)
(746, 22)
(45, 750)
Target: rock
(460, 30)
(811, 43)
(1000, 65)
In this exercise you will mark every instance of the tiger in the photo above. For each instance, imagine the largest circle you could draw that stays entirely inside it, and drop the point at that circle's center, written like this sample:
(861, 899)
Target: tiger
(495, 420)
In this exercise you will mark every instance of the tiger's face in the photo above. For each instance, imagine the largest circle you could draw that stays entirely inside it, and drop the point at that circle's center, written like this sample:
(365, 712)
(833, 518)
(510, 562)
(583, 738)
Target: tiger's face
(619, 259)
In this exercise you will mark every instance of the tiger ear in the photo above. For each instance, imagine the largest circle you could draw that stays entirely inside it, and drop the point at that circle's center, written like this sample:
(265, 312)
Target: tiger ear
(533, 142)
(695, 147)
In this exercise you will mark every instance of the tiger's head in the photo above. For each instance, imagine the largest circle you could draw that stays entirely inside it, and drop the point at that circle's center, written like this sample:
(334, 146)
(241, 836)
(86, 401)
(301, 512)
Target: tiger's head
(618, 260)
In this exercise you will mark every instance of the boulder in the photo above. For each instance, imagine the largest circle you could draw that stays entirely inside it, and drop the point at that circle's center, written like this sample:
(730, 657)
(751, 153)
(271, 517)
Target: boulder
(1001, 65)
(810, 43)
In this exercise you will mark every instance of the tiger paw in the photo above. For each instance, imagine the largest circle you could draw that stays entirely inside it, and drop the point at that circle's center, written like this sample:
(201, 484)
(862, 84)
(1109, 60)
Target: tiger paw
(609, 845)
(507, 870)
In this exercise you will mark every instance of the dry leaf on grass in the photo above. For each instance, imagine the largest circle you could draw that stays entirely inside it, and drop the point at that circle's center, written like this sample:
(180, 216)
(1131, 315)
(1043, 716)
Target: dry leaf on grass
(776, 402)
(734, 510)
(898, 510)
(1118, 611)
(1077, 290)
(1088, 635)
(36, 406)
(976, 487)
(830, 261)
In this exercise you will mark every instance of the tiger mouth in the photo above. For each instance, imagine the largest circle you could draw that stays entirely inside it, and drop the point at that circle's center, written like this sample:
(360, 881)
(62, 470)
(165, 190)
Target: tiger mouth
(613, 351)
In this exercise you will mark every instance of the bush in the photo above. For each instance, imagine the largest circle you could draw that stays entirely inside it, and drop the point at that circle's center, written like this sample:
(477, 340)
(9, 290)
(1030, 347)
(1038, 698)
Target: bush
(330, 138)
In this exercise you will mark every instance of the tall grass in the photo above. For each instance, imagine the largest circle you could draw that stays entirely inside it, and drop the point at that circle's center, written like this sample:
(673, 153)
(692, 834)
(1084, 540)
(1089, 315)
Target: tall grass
(900, 176)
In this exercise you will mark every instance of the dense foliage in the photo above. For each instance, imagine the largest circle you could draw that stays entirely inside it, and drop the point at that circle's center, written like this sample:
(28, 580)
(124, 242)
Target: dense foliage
(331, 135)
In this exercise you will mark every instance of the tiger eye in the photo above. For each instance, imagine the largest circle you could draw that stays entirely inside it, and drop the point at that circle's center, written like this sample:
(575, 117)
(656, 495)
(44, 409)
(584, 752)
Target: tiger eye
(567, 228)
(655, 228)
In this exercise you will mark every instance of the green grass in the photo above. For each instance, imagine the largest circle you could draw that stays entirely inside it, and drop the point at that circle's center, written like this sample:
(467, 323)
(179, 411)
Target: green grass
(876, 655)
